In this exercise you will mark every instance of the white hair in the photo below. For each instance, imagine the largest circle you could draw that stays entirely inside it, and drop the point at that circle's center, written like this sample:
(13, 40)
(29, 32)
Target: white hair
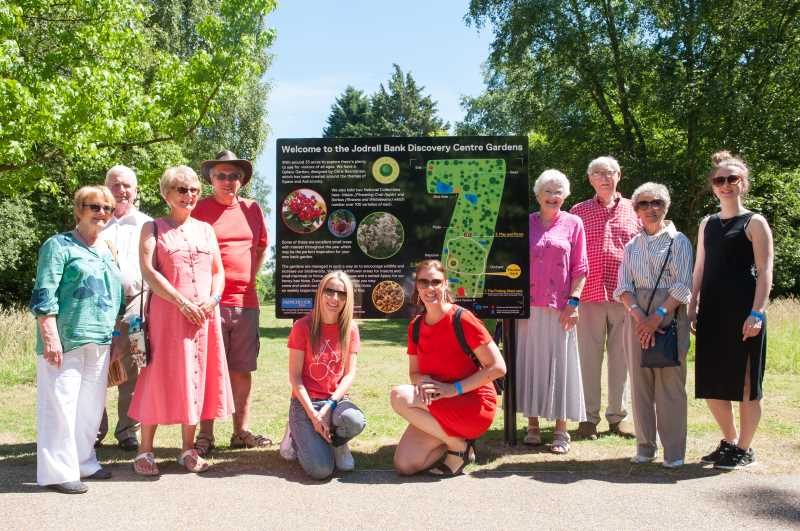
(605, 161)
(659, 191)
(551, 176)
(119, 169)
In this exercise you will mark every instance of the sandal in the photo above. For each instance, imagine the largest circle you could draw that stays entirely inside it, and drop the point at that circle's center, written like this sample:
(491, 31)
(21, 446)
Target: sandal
(191, 461)
(246, 439)
(145, 464)
(561, 442)
(533, 437)
(204, 444)
(467, 456)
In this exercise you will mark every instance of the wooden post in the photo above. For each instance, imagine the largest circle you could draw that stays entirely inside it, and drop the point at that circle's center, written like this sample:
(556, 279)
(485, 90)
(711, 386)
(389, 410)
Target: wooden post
(510, 393)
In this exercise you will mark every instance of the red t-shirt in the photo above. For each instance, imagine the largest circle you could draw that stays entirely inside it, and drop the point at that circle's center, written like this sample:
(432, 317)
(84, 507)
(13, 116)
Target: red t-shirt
(438, 352)
(323, 370)
(240, 231)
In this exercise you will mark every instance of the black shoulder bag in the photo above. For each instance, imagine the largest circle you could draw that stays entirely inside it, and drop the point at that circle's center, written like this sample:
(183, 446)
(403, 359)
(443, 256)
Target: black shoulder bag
(665, 352)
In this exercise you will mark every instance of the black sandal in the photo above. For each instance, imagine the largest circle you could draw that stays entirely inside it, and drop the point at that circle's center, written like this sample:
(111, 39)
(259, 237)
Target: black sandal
(467, 457)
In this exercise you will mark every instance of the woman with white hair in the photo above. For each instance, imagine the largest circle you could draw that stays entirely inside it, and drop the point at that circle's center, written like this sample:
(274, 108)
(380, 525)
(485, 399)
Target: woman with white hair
(654, 284)
(548, 364)
(732, 280)
(187, 379)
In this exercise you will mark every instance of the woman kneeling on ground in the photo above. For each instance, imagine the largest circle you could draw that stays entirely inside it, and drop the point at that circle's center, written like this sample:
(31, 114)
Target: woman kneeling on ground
(322, 366)
(450, 401)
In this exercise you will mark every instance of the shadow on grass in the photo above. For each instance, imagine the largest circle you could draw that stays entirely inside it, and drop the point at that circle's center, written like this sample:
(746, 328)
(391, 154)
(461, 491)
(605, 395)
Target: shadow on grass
(274, 332)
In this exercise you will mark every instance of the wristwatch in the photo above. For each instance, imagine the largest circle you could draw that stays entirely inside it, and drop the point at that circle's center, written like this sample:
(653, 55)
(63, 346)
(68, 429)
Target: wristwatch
(632, 307)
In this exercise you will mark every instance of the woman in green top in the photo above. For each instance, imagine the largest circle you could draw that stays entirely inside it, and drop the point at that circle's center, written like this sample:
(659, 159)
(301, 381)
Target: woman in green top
(77, 299)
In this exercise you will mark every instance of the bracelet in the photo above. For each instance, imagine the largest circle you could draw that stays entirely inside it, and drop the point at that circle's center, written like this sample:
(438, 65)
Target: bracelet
(661, 311)
(573, 301)
(332, 403)
(217, 298)
(632, 307)
(115, 333)
(758, 315)
(460, 391)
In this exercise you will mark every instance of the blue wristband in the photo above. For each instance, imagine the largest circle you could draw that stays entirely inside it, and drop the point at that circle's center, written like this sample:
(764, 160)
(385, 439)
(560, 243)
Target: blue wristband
(331, 403)
(460, 391)
(115, 333)
(758, 315)
(661, 311)
(573, 301)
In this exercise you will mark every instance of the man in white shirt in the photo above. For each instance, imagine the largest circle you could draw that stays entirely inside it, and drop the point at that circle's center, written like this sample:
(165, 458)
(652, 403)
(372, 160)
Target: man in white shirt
(123, 232)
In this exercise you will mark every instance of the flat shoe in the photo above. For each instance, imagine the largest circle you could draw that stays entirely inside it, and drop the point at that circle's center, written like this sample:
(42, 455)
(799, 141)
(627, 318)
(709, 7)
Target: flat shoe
(69, 487)
(192, 462)
(145, 464)
(129, 445)
(561, 442)
(204, 444)
(533, 437)
(246, 439)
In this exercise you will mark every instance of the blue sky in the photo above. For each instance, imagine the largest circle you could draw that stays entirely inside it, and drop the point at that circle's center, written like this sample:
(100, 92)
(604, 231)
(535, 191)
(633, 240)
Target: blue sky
(322, 46)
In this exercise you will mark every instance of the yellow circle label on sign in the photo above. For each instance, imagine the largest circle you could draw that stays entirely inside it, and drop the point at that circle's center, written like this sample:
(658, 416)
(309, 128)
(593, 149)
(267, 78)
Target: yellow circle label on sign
(513, 271)
(385, 170)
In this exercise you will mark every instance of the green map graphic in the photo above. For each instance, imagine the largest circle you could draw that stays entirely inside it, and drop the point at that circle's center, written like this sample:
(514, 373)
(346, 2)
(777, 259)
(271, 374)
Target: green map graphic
(479, 185)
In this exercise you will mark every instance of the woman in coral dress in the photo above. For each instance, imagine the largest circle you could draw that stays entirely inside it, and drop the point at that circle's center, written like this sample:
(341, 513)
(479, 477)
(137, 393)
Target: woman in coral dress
(450, 401)
(187, 378)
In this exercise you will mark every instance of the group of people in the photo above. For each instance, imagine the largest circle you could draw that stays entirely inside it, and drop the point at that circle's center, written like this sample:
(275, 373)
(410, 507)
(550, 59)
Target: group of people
(612, 275)
(194, 271)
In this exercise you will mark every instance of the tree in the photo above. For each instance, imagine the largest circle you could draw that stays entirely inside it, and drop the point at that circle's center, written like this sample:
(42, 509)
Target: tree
(398, 109)
(659, 84)
(146, 83)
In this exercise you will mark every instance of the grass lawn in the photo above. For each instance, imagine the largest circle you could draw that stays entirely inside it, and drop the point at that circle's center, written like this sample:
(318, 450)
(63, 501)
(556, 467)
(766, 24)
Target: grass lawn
(382, 363)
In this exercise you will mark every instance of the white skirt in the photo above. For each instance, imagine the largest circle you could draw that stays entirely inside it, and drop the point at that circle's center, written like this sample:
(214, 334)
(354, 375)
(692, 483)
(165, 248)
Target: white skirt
(549, 381)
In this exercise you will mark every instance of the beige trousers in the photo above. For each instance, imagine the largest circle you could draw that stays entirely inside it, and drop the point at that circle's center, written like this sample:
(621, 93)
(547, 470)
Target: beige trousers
(658, 396)
(601, 329)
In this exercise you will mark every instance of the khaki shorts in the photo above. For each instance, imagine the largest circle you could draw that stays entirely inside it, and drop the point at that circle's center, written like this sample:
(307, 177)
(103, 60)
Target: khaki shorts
(240, 336)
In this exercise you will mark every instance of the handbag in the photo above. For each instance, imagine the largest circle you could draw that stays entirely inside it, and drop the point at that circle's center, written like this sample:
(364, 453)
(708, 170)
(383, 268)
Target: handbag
(665, 351)
(116, 373)
(140, 338)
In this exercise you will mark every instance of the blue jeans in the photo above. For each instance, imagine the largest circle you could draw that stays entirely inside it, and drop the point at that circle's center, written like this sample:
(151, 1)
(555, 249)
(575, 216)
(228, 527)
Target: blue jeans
(313, 452)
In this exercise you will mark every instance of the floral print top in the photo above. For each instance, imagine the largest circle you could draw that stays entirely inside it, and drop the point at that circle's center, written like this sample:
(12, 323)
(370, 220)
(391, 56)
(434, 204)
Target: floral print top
(82, 287)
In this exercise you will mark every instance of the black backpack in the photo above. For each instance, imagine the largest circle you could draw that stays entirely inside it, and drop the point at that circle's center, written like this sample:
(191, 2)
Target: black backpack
(462, 340)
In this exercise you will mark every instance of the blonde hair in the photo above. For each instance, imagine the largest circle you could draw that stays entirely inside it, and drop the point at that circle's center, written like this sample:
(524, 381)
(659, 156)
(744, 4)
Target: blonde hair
(345, 319)
(174, 175)
(430, 264)
(724, 159)
(84, 193)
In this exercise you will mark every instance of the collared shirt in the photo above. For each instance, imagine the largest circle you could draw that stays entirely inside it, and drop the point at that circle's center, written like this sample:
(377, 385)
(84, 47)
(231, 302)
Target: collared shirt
(644, 257)
(557, 257)
(81, 287)
(124, 233)
(608, 230)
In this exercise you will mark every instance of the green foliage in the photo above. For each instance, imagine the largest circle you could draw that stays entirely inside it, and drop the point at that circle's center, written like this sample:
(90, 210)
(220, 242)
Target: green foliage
(265, 287)
(149, 84)
(658, 84)
(398, 109)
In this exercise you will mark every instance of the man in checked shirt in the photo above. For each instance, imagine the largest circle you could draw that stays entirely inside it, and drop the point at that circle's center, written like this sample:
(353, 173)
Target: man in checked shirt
(610, 222)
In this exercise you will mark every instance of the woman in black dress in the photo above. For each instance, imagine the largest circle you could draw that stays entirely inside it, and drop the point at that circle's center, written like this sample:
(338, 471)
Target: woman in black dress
(732, 276)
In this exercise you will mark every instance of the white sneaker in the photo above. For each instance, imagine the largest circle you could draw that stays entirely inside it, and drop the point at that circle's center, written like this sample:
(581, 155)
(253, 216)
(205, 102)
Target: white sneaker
(287, 450)
(641, 459)
(343, 458)
(673, 464)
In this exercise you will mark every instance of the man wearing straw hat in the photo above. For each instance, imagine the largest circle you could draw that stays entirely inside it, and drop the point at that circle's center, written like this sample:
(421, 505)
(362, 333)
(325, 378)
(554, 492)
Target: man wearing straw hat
(242, 236)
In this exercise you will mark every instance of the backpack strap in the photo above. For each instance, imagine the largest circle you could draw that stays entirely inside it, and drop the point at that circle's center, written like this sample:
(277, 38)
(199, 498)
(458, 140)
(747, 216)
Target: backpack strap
(415, 328)
(113, 249)
(462, 340)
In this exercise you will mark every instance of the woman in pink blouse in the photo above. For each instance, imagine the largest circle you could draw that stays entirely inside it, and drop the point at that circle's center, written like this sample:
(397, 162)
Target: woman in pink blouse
(548, 367)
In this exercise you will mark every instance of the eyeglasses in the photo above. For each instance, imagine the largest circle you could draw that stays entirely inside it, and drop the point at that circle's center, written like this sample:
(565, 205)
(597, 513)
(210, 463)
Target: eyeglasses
(108, 209)
(655, 203)
(228, 176)
(184, 190)
(424, 283)
(730, 179)
(330, 292)
(605, 174)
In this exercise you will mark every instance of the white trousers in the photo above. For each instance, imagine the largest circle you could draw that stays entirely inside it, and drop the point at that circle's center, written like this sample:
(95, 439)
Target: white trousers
(70, 402)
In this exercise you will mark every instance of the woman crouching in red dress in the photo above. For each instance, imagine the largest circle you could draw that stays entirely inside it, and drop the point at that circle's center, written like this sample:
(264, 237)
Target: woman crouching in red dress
(450, 401)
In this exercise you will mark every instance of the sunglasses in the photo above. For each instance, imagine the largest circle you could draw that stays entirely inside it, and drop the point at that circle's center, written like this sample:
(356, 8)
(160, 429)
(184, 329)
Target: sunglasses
(108, 209)
(424, 283)
(730, 179)
(228, 176)
(655, 203)
(184, 190)
(330, 292)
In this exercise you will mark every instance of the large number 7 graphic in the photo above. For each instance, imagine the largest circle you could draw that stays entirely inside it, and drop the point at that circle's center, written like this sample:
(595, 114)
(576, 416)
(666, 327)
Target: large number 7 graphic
(479, 185)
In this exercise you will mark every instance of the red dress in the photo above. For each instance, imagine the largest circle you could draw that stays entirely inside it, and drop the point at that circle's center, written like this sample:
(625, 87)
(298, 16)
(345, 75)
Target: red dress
(440, 357)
